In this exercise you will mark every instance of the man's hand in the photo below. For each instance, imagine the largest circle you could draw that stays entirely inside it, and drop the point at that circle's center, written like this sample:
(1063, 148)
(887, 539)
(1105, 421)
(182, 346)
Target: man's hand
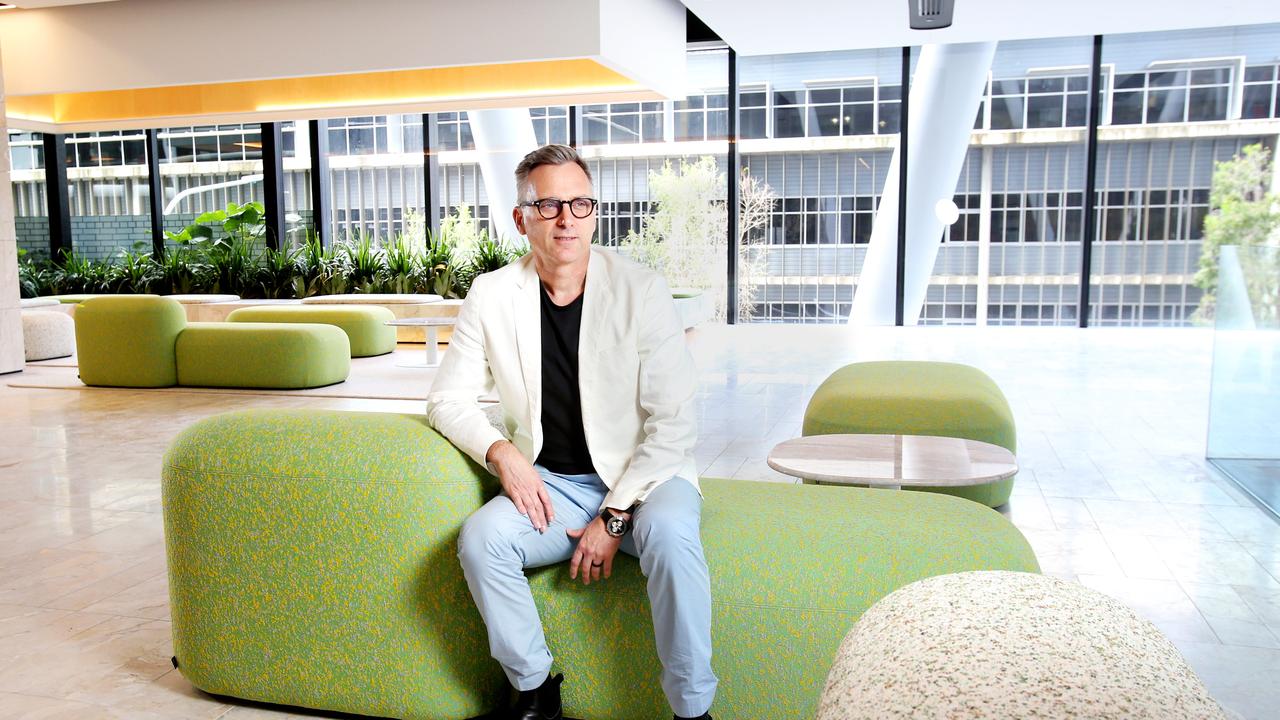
(594, 556)
(522, 484)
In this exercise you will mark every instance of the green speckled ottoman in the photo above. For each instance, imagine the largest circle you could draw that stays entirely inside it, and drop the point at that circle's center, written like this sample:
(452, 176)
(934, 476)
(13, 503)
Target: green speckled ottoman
(911, 397)
(262, 355)
(365, 325)
(312, 561)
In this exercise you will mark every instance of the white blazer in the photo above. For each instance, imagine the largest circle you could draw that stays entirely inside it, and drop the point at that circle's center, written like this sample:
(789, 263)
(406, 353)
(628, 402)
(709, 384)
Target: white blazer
(635, 374)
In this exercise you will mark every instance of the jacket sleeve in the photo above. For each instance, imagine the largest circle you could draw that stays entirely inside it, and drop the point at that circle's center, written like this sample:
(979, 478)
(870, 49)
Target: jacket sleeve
(464, 376)
(667, 385)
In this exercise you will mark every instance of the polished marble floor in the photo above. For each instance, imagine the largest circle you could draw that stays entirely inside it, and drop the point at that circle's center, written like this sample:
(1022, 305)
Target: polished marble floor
(1114, 494)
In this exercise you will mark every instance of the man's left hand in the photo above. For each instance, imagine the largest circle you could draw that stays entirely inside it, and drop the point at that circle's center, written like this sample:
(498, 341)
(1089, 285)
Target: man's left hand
(594, 555)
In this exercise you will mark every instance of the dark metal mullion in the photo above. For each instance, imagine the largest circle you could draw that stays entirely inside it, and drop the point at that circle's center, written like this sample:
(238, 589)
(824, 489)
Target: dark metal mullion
(734, 163)
(899, 307)
(573, 126)
(431, 172)
(157, 193)
(273, 184)
(321, 184)
(1090, 182)
(57, 197)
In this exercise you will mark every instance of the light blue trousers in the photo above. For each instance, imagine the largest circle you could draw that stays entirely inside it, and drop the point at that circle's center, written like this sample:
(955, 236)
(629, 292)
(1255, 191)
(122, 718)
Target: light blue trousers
(497, 543)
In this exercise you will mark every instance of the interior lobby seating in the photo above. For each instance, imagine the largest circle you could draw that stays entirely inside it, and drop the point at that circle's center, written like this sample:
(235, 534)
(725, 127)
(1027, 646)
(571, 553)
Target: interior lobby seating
(312, 562)
(365, 325)
(1048, 227)
(47, 335)
(1004, 645)
(918, 398)
(145, 341)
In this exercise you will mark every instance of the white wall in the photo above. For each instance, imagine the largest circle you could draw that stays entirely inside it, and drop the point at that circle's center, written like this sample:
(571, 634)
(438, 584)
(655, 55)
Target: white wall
(11, 353)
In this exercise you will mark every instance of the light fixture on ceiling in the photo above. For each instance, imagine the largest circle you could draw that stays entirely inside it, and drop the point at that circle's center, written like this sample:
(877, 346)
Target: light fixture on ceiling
(931, 14)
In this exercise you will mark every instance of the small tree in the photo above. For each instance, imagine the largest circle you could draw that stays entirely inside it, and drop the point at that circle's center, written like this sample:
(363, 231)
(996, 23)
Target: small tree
(685, 237)
(1242, 211)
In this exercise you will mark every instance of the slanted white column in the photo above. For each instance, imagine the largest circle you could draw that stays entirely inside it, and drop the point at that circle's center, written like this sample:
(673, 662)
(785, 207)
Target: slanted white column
(12, 357)
(503, 138)
(945, 94)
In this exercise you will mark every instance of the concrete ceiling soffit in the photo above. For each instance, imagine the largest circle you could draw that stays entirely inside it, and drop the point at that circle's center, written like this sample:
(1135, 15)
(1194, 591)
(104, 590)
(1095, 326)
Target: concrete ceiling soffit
(768, 27)
(139, 63)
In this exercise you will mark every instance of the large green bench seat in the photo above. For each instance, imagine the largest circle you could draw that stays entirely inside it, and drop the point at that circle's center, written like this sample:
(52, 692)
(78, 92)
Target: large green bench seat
(267, 355)
(312, 559)
(912, 397)
(365, 325)
(145, 341)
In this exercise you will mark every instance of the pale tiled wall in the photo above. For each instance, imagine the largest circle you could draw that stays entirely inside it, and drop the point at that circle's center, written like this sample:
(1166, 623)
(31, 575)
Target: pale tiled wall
(11, 355)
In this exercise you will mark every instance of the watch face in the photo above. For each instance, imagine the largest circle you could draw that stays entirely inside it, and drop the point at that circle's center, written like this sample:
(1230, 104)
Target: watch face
(616, 526)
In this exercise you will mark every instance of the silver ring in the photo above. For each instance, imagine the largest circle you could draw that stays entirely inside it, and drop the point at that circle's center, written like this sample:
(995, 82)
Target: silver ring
(599, 564)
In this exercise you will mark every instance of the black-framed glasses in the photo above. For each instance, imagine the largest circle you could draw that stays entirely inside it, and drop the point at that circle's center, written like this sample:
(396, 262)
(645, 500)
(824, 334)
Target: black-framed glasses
(550, 208)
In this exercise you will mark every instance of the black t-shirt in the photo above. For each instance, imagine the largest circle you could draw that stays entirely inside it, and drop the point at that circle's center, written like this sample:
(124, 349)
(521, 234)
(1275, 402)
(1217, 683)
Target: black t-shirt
(564, 444)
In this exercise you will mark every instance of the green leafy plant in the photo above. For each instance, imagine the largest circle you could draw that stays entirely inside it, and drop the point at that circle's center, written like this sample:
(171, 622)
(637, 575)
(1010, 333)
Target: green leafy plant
(488, 255)
(224, 252)
(182, 269)
(685, 236)
(1243, 212)
(80, 274)
(136, 272)
(402, 266)
(365, 263)
(438, 272)
(35, 277)
(277, 272)
(321, 270)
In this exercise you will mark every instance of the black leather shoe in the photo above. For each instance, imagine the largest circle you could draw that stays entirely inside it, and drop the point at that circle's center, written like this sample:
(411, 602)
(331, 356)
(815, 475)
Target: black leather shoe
(703, 716)
(540, 704)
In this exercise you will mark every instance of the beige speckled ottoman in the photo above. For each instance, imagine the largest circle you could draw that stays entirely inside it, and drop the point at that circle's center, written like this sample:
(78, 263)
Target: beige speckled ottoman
(1008, 645)
(47, 335)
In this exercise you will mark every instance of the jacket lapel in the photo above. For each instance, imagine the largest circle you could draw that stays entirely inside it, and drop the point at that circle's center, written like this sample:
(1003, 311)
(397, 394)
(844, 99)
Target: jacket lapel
(526, 314)
(596, 297)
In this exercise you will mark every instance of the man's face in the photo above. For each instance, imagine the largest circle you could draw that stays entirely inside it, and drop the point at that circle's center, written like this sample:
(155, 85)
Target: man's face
(564, 240)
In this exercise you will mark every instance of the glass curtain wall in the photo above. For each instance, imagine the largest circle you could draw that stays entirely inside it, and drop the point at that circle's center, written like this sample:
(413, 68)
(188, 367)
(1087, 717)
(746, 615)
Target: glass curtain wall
(375, 174)
(206, 167)
(1181, 102)
(30, 207)
(662, 197)
(295, 148)
(1013, 257)
(108, 191)
(1244, 403)
(818, 133)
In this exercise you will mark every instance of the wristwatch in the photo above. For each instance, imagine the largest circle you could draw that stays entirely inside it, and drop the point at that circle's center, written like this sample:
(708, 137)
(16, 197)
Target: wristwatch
(616, 525)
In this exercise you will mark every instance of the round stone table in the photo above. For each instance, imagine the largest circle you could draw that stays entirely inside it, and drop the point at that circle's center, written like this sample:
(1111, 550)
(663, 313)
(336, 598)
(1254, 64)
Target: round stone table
(893, 461)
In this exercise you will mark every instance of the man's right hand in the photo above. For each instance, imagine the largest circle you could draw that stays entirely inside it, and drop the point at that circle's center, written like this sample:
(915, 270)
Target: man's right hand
(522, 484)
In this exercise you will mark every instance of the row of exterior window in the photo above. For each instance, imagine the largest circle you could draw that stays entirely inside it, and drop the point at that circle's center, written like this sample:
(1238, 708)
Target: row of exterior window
(1022, 314)
(1030, 217)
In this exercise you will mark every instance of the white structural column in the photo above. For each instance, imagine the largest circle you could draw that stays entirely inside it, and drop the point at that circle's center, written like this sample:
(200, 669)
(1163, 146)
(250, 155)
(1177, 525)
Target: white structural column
(12, 357)
(503, 138)
(945, 93)
(984, 237)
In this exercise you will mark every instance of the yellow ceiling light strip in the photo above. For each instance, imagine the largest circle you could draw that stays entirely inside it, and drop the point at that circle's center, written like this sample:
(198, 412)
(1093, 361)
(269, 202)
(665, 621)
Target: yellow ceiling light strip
(395, 87)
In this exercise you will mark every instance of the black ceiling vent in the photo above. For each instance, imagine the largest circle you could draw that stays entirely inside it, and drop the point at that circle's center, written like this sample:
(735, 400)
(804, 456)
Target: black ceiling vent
(931, 14)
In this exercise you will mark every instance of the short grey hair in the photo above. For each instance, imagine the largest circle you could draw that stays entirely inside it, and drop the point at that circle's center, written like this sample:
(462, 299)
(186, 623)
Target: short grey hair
(546, 155)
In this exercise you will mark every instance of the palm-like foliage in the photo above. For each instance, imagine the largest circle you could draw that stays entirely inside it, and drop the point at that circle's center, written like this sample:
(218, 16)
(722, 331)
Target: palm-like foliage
(136, 272)
(223, 252)
(365, 262)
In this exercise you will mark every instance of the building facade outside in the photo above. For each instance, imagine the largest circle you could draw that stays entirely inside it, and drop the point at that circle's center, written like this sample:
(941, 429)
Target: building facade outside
(820, 130)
